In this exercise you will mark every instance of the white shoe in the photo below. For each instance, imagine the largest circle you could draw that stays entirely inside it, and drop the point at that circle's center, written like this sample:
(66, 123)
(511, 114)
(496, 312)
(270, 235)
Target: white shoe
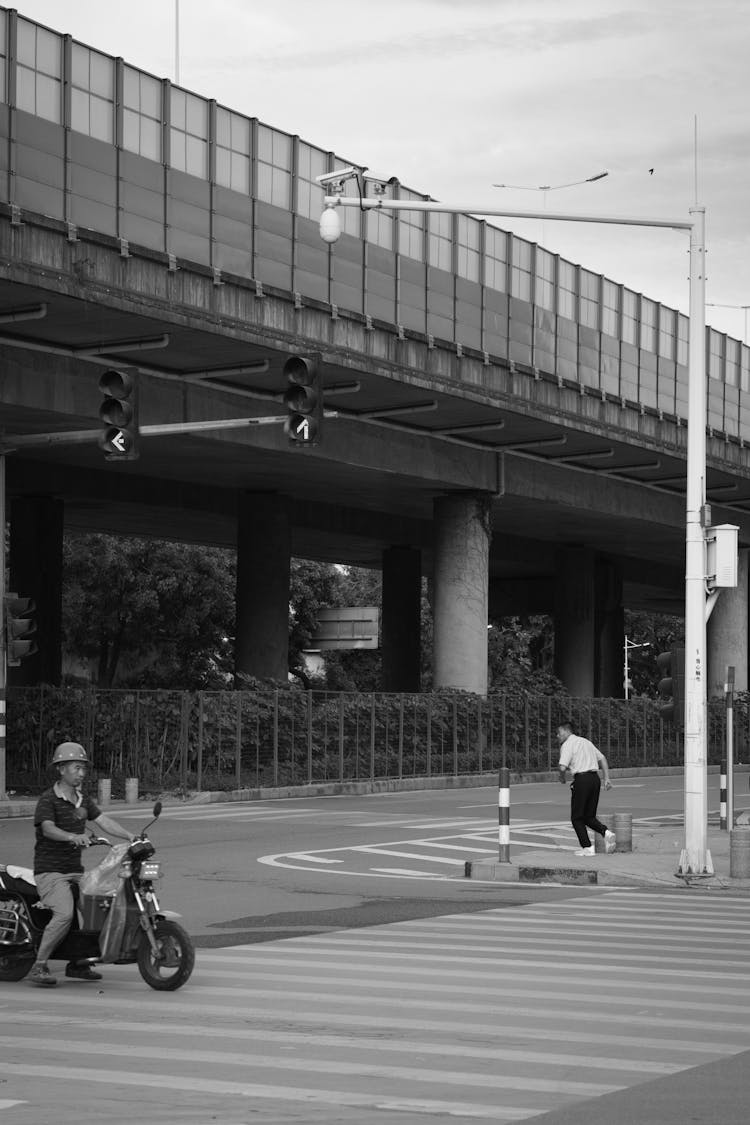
(586, 851)
(610, 842)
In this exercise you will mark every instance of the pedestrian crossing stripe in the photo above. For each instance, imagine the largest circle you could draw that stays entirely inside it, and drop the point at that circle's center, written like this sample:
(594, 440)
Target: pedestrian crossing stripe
(466, 1016)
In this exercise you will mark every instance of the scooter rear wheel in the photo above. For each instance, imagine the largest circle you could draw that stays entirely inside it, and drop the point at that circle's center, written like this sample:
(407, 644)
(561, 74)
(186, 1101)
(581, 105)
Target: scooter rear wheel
(173, 965)
(15, 966)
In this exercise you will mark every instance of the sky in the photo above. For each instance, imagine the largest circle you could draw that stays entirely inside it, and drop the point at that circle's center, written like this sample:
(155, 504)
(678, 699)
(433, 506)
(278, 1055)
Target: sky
(453, 96)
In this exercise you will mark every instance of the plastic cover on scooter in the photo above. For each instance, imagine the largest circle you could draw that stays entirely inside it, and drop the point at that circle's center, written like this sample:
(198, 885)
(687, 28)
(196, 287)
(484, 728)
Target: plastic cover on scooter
(110, 939)
(105, 877)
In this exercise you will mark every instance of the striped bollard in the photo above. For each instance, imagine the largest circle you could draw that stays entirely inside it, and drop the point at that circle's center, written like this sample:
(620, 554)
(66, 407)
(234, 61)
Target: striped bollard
(723, 797)
(503, 816)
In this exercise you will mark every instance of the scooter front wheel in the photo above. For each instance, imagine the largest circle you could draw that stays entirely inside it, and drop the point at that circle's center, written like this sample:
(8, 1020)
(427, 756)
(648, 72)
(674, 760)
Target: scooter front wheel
(169, 967)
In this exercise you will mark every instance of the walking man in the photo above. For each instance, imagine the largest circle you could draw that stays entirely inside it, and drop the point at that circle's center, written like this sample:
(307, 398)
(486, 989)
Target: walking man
(584, 760)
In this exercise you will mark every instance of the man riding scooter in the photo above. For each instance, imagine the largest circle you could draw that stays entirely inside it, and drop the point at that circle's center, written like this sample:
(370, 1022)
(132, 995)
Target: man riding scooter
(60, 821)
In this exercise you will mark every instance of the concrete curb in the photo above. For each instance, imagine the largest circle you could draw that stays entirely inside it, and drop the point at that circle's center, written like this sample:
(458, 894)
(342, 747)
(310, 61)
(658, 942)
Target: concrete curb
(26, 806)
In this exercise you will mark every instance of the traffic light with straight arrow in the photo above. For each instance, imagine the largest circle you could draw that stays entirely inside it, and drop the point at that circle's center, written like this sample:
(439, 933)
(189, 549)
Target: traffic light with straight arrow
(119, 413)
(303, 399)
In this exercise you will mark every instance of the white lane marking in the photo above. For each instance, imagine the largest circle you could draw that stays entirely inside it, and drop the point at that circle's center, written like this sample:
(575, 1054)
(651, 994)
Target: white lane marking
(313, 858)
(420, 1046)
(407, 855)
(81, 1075)
(406, 873)
(457, 847)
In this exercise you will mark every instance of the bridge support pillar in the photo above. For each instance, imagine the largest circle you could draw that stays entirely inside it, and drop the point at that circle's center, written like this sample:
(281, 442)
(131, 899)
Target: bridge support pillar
(460, 591)
(263, 563)
(575, 620)
(36, 554)
(728, 633)
(402, 597)
(610, 630)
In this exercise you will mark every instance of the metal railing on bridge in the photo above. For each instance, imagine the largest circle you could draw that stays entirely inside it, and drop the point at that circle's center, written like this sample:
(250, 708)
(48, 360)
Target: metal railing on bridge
(232, 740)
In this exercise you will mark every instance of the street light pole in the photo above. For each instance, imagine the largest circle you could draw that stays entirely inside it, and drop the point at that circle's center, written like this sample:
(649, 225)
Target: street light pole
(695, 858)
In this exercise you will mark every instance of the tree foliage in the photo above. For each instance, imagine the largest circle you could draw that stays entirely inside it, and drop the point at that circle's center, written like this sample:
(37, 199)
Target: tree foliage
(148, 613)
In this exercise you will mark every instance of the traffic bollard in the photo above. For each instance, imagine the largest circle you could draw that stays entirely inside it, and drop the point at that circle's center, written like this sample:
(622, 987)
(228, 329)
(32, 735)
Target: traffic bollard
(623, 830)
(503, 816)
(131, 790)
(739, 853)
(104, 791)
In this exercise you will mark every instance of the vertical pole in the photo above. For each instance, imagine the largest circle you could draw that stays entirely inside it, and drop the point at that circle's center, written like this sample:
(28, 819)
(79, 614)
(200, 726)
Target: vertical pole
(723, 796)
(503, 816)
(729, 693)
(238, 742)
(3, 653)
(177, 42)
(695, 858)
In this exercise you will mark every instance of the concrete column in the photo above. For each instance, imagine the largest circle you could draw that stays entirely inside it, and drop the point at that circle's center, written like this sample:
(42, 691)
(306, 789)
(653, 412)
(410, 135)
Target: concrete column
(401, 619)
(727, 633)
(460, 591)
(575, 621)
(262, 613)
(36, 555)
(610, 630)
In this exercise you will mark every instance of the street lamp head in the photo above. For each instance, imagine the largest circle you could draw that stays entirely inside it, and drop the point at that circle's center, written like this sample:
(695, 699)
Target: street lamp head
(330, 226)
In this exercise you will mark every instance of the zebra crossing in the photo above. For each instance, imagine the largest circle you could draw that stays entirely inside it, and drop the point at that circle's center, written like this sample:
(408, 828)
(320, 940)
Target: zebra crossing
(467, 1017)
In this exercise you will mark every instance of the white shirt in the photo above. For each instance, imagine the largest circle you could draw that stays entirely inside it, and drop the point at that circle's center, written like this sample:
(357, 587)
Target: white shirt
(579, 755)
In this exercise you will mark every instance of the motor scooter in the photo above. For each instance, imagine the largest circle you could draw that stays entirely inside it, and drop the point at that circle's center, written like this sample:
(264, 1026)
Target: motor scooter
(118, 919)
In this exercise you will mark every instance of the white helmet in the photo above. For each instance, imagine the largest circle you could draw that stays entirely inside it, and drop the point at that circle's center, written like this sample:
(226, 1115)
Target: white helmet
(69, 752)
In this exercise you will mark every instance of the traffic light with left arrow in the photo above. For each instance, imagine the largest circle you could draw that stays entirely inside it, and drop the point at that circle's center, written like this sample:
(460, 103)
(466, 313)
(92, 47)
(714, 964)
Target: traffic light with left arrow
(119, 413)
(303, 399)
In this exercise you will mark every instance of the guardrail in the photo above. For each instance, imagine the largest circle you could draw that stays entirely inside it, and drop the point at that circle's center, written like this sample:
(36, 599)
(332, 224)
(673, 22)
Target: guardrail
(256, 739)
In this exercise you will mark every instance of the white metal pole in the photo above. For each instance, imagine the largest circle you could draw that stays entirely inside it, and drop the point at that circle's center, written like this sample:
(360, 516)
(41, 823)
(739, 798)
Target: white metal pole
(695, 858)
(177, 42)
(626, 685)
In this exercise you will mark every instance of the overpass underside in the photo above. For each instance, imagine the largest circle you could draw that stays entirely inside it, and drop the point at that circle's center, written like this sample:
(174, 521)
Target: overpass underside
(427, 454)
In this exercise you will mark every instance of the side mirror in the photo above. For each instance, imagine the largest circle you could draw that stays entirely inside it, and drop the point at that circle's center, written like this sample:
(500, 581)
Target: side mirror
(157, 810)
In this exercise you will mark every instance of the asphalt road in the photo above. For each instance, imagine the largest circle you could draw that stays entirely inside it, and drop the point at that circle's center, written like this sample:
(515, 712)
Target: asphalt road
(263, 870)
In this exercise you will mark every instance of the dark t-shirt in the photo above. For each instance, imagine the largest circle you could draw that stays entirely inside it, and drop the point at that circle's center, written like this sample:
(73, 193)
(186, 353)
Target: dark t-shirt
(59, 855)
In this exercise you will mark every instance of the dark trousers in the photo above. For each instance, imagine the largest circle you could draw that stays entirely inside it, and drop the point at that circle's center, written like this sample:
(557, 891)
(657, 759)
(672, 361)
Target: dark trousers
(583, 804)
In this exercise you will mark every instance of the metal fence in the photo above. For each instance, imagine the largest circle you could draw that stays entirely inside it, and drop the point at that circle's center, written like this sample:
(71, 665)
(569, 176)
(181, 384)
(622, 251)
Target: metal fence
(188, 741)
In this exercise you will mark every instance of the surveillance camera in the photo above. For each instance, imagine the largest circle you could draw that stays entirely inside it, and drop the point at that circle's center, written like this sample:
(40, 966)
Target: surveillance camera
(339, 174)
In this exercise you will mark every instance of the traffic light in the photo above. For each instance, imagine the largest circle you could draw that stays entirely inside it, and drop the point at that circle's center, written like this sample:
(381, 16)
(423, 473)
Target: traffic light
(119, 412)
(672, 685)
(20, 628)
(303, 399)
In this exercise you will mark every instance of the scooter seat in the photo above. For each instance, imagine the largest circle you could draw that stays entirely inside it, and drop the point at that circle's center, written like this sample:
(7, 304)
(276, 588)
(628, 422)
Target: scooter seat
(19, 881)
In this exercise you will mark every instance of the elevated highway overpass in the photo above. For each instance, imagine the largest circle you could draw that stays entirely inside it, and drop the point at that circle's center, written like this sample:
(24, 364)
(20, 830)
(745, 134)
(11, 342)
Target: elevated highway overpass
(506, 422)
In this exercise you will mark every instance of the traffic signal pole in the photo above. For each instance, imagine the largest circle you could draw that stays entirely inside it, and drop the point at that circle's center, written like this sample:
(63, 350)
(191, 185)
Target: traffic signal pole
(695, 858)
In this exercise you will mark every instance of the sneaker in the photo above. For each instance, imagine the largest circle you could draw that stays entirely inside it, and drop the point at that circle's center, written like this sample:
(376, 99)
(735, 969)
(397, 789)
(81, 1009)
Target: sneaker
(610, 842)
(81, 972)
(586, 851)
(41, 975)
